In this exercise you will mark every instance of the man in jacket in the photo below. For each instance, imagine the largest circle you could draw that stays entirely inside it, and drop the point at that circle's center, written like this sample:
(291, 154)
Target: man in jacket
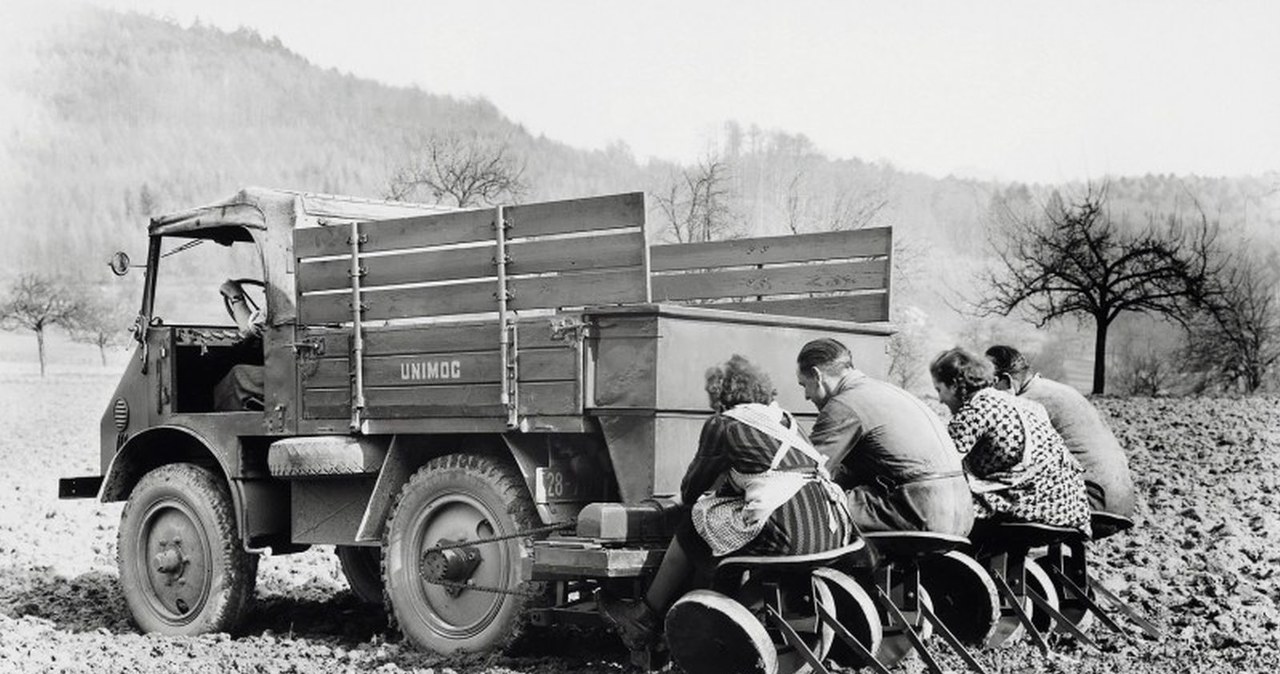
(1107, 479)
(884, 446)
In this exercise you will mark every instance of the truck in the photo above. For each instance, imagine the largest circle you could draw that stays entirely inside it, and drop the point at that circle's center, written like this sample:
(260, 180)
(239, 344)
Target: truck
(487, 411)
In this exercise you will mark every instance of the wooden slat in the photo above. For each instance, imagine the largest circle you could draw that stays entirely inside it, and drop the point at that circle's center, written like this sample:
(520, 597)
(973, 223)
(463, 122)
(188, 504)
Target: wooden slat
(430, 339)
(419, 267)
(459, 298)
(773, 250)
(580, 254)
(576, 290)
(856, 308)
(530, 257)
(415, 232)
(476, 400)
(861, 275)
(447, 369)
(576, 215)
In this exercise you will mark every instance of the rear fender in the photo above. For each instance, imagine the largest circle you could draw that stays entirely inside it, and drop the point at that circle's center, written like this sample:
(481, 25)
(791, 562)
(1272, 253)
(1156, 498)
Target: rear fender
(408, 453)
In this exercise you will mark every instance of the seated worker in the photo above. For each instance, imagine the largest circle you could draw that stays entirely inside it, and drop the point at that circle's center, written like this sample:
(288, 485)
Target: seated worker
(884, 446)
(1107, 479)
(242, 387)
(1019, 467)
(774, 498)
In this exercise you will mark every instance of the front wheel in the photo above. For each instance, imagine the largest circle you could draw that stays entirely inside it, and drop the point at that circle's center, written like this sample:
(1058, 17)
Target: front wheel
(448, 590)
(183, 571)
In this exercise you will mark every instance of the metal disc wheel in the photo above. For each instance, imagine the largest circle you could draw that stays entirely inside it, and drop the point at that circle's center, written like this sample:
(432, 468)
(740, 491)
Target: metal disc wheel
(896, 644)
(856, 612)
(964, 596)
(797, 593)
(362, 567)
(448, 590)
(1075, 611)
(1038, 581)
(709, 633)
(182, 568)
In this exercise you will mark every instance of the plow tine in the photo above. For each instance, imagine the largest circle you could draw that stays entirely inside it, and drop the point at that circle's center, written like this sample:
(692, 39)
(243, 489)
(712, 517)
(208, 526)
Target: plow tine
(952, 641)
(789, 634)
(912, 634)
(1016, 606)
(849, 640)
(1062, 620)
(1091, 604)
(1146, 625)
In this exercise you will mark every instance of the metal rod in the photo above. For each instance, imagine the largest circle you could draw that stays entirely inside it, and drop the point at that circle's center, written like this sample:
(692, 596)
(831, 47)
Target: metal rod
(912, 635)
(357, 333)
(1016, 605)
(789, 634)
(1146, 625)
(1089, 603)
(1044, 605)
(851, 641)
(504, 336)
(951, 640)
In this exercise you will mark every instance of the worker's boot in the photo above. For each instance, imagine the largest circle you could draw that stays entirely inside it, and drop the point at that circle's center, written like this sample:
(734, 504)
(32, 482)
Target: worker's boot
(635, 622)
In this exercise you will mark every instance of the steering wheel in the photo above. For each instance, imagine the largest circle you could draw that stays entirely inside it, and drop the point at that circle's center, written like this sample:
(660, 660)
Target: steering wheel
(239, 305)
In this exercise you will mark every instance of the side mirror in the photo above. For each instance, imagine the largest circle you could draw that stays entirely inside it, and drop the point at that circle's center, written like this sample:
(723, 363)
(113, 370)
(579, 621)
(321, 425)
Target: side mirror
(119, 263)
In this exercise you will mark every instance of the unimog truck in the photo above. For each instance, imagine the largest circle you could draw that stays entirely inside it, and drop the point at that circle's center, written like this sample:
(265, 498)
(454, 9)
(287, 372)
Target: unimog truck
(487, 412)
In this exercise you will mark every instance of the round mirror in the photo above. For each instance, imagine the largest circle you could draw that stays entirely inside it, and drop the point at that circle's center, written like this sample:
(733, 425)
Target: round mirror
(119, 263)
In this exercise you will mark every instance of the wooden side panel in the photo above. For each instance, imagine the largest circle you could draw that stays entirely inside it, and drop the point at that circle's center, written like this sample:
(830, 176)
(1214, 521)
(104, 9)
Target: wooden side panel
(443, 371)
(868, 308)
(576, 215)
(874, 242)
(840, 275)
(415, 232)
(576, 255)
(860, 275)
(457, 298)
(456, 400)
(418, 267)
(448, 369)
(575, 290)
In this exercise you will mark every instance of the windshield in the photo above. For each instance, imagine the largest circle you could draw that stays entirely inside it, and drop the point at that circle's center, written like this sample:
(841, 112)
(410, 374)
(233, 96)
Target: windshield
(190, 272)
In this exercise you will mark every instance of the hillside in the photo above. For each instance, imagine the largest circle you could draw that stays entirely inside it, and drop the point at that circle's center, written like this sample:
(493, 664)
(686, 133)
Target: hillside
(107, 118)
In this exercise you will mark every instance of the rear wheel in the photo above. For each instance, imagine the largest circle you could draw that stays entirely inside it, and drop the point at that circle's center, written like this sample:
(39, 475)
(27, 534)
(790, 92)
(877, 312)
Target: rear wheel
(964, 596)
(362, 567)
(1038, 582)
(446, 593)
(182, 568)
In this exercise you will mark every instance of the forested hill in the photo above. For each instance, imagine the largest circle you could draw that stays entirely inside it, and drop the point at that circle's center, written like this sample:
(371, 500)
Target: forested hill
(112, 117)
(127, 115)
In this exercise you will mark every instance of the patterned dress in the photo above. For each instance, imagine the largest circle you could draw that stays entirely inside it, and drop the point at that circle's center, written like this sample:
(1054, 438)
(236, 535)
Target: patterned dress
(1018, 465)
(802, 525)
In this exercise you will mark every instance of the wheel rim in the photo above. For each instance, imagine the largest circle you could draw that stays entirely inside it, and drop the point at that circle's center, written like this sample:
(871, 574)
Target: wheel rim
(856, 612)
(174, 561)
(448, 611)
(1038, 582)
(800, 611)
(964, 596)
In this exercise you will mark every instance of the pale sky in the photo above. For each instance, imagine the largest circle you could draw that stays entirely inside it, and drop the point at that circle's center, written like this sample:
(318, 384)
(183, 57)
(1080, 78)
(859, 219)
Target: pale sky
(1019, 90)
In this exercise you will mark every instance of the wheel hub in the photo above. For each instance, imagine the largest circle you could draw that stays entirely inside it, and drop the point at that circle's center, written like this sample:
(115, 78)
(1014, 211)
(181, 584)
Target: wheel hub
(450, 566)
(170, 562)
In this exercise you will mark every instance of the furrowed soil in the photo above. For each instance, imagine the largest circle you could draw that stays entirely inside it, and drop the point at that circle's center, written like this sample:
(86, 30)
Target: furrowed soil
(1204, 561)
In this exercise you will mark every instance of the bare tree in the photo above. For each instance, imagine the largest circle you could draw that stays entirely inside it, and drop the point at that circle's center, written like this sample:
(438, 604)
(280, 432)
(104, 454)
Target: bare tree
(808, 210)
(1075, 260)
(459, 170)
(696, 203)
(102, 321)
(36, 302)
(1236, 338)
